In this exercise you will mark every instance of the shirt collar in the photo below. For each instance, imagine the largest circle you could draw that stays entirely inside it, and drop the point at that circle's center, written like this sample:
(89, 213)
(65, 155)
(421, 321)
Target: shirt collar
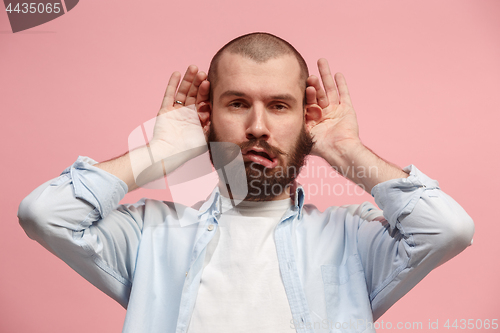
(213, 203)
(297, 195)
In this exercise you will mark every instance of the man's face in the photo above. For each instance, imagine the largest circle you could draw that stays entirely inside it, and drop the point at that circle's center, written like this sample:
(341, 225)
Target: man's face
(259, 106)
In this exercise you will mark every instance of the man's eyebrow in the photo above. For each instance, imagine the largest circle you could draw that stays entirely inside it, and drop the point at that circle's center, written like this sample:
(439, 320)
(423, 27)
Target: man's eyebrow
(230, 93)
(283, 97)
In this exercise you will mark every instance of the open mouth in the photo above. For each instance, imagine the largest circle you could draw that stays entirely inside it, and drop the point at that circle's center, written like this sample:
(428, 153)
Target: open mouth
(260, 157)
(261, 153)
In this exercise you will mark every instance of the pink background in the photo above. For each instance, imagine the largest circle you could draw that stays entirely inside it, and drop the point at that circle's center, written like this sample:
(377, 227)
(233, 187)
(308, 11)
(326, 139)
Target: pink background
(424, 78)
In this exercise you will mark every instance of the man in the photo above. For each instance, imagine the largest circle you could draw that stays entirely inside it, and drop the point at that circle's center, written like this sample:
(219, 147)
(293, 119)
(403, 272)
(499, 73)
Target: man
(268, 263)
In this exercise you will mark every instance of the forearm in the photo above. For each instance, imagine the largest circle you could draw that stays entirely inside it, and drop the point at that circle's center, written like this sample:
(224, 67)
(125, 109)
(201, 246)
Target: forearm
(71, 202)
(362, 166)
(123, 168)
(148, 163)
(77, 217)
(425, 227)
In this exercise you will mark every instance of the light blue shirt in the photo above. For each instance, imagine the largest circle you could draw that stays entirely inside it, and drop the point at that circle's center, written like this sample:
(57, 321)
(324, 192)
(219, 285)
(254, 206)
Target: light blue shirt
(341, 268)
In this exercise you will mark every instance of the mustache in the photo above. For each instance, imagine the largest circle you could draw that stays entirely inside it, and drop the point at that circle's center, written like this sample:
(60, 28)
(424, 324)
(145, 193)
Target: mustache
(262, 144)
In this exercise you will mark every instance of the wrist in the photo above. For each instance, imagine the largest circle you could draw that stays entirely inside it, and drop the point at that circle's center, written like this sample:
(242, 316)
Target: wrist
(159, 150)
(343, 154)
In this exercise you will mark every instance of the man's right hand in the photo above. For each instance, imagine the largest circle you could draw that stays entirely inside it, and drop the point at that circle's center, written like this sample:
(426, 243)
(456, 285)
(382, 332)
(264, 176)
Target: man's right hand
(177, 128)
(177, 134)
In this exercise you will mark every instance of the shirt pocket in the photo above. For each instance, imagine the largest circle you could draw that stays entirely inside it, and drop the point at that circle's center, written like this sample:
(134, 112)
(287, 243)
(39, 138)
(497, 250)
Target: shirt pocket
(346, 297)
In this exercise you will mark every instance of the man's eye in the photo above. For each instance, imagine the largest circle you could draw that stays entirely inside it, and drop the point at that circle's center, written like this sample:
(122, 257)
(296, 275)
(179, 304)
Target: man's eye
(236, 105)
(279, 107)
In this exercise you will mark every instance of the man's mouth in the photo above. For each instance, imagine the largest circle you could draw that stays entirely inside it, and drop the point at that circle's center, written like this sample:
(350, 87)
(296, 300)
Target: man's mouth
(259, 155)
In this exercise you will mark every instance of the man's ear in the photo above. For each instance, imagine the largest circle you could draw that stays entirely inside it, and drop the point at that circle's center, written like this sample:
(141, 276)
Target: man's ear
(312, 115)
(204, 110)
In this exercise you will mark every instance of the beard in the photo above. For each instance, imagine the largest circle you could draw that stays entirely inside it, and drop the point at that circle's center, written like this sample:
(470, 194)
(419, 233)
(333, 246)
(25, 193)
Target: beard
(262, 183)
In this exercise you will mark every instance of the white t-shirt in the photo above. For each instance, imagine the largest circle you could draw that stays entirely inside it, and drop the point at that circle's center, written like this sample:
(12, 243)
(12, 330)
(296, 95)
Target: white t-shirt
(241, 290)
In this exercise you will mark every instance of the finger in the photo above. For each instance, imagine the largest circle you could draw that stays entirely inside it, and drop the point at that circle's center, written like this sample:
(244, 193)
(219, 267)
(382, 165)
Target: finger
(168, 98)
(328, 82)
(311, 95)
(322, 99)
(193, 90)
(186, 83)
(203, 104)
(203, 93)
(342, 86)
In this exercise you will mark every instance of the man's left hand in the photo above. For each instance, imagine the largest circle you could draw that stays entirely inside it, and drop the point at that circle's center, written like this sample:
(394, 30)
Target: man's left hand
(337, 130)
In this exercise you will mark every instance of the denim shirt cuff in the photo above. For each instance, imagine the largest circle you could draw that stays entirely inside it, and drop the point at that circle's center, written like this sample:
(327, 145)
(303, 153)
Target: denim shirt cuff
(399, 196)
(96, 186)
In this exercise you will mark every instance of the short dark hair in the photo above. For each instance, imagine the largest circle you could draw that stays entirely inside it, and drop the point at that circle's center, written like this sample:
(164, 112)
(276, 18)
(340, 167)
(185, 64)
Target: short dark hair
(260, 47)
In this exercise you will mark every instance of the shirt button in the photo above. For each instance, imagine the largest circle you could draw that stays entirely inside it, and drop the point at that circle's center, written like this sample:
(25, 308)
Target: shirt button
(186, 273)
(210, 227)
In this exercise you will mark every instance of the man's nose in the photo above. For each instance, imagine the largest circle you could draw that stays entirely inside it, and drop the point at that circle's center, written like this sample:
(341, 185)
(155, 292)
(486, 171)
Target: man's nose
(257, 124)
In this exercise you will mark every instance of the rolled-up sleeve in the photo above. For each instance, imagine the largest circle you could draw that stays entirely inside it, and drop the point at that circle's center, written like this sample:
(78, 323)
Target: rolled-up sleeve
(421, 228)
(78, 218)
